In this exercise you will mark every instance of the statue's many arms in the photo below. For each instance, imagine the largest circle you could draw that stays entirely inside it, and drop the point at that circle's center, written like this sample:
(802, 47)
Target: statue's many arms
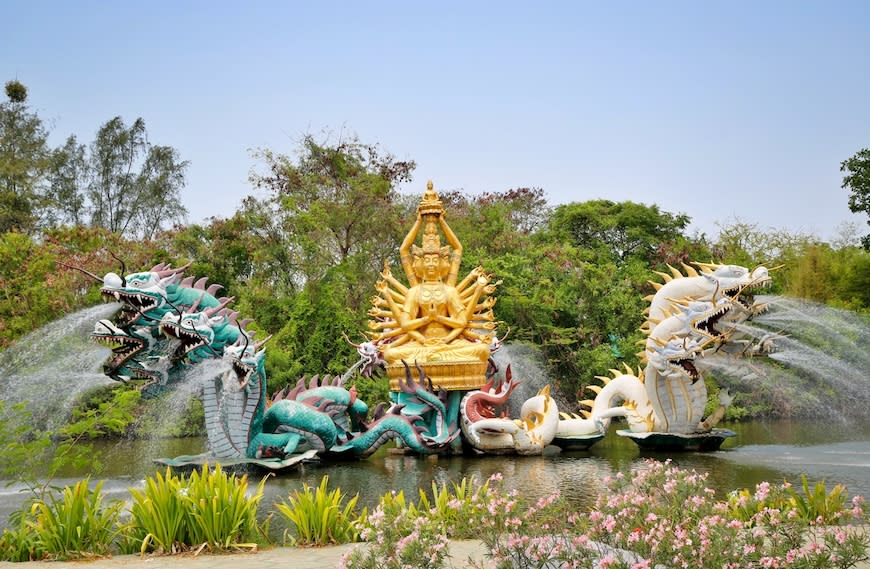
(434, 320)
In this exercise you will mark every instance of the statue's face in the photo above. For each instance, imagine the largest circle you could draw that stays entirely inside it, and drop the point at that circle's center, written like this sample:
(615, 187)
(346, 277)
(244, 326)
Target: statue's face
(431, 266)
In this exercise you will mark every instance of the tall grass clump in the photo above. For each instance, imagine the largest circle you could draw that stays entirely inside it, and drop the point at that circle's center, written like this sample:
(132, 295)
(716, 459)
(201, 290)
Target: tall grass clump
(158, 514)
(17, 542)
(211, 508)
(320, 516)
(73, 523)
(76, 524)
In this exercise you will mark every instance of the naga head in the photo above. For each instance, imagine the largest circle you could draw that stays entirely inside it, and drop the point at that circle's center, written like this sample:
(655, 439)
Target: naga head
(369, 354)
(676, 357)
(142, 295)
(737, 283)
(248, 362)
(126, 345)
(703, 318)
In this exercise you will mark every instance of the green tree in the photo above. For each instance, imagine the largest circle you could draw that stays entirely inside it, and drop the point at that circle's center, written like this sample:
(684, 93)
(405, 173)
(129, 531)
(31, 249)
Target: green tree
(618, 230)
(493, 223)
(857, 181)
(120, 182)
(335, 205)
(25, 159)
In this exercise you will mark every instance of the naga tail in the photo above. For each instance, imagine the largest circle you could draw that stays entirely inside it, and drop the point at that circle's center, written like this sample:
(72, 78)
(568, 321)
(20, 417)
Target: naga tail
(392, 425)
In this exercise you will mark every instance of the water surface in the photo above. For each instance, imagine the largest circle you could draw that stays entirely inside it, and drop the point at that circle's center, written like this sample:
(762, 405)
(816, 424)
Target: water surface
(763, 450)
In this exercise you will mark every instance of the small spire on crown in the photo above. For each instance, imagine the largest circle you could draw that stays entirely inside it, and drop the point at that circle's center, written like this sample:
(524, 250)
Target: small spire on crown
(431, 203)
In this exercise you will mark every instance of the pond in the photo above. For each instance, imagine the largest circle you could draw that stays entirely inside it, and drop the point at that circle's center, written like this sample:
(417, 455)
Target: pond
(762, 450)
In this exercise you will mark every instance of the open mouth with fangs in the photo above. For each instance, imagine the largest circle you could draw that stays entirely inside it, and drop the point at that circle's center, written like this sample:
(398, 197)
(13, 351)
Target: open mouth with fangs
(243, 371)
(190, 338)
(134, 304)
(687, 366)
(707, 324)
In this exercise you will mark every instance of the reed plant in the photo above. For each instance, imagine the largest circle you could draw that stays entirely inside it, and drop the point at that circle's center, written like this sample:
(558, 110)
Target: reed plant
(320, 516)
(209, 509)
(17, 542)
(221, 514)
(159, 514)
(74, 525)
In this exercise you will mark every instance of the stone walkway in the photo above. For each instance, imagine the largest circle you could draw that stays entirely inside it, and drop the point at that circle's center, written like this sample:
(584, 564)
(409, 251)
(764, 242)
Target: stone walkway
(277, 557)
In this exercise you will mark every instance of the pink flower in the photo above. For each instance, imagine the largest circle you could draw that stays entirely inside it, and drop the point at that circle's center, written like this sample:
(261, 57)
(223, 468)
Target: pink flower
(762, 490)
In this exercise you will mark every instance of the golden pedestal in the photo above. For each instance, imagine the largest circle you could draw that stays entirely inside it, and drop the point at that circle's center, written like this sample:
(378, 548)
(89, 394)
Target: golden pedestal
(452, 376)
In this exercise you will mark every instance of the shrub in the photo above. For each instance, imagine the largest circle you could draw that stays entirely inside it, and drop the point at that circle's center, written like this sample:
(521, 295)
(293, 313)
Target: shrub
(74, 525)
(210, 508)
(320, 517)
(812, 505)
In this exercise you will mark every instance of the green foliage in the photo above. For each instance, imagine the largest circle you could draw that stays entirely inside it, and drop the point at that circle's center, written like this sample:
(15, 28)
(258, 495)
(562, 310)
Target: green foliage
(158, 514)
(310, 342)
(334, 205)
(22, 449)
(372, 390)
(108, 412)
(173, 513)
(121, 182)
(76, 524)
(616, 230)
(811, 504)
(453, 507)
(857, 181)
(35, 289)
(221, 514)
(18, 542)
(151, 421)
(25, 160)
(320, 516)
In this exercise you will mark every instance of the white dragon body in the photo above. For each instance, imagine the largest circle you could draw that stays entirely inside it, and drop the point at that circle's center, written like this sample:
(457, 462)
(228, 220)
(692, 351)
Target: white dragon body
(486, 430)
(688, 315)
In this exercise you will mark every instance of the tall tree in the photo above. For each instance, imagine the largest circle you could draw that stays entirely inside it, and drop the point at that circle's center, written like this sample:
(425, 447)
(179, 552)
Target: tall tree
(133, 187)
(619, 230)
(120, 182)
(857, 180)
(24, 161)
(333, 206)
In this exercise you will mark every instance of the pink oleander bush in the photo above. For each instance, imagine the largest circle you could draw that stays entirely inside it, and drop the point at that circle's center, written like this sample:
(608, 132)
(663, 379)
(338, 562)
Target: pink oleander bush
(666, 517)
(405, 535)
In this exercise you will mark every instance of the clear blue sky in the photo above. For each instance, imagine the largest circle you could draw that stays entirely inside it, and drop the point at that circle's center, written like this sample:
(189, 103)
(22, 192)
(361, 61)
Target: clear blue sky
(713, 109)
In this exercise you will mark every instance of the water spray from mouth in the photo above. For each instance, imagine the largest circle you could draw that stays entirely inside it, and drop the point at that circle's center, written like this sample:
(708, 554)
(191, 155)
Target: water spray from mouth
(819, 368)
(51, 368)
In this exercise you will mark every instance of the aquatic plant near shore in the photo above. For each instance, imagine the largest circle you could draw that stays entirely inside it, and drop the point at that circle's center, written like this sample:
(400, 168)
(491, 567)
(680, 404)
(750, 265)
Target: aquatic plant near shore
(174, 513)
(320, 517)
(76, 524)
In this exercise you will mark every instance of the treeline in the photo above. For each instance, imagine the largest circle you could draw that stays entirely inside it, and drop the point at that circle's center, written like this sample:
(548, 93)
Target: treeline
(302, 261)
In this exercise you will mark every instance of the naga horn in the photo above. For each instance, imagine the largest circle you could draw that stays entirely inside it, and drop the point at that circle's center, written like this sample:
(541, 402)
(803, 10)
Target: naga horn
(79, 269)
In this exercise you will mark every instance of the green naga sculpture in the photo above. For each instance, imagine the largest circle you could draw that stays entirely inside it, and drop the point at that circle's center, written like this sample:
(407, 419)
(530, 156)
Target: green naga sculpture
(167, 324)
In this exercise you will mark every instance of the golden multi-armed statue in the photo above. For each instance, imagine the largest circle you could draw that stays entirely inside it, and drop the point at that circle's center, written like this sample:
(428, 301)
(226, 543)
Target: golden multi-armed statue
(443, 326)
